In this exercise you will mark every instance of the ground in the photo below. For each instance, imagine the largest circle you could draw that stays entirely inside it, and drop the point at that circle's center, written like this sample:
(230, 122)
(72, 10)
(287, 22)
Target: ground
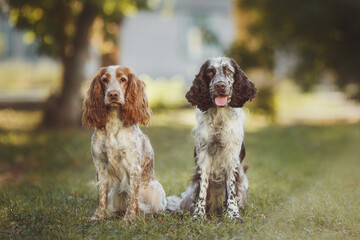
(304, 184)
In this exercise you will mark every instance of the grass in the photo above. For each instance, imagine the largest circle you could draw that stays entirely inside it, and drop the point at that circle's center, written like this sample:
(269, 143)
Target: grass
(304, 184)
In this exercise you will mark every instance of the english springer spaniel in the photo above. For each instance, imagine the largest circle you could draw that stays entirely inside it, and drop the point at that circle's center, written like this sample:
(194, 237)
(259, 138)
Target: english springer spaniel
(219, 183)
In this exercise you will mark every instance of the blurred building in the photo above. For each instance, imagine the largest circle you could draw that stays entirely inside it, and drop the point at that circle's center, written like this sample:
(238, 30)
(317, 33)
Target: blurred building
(173, 39)
(176, 40)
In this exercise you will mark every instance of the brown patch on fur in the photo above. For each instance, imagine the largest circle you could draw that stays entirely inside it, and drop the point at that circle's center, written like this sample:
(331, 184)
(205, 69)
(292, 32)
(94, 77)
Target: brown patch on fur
(195, 156)
(243, 89)
(242, 156)
(215, 145)
(133, 200)
(94, 110)
(214, 206)
(238, 179)
(147, 165)
(199, 93)
(242, 152)
(196, 179)
(136, 108)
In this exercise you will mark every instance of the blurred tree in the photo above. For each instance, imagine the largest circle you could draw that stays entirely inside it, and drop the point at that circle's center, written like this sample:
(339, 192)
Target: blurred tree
(62, 29)
(324, 34)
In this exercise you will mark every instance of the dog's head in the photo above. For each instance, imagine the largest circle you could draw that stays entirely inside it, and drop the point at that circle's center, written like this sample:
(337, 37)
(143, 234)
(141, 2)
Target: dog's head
(220, 83)
(115, 87)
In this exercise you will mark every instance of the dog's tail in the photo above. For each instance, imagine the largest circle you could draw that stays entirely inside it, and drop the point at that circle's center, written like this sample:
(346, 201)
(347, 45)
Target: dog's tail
(173, 203)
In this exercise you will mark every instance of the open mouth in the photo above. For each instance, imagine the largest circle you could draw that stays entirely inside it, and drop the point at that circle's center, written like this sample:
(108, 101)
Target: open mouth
(221, 101)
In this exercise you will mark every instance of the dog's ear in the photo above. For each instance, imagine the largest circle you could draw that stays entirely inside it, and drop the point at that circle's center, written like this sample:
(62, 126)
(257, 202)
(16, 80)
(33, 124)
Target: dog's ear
(94, 110)
(136, 108)
(243, 89)
(199, 93)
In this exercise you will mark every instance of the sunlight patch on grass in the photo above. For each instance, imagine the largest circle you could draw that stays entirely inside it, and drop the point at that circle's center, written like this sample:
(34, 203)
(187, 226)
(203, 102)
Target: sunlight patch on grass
(19, 120)
(325, 105)
(44, 74)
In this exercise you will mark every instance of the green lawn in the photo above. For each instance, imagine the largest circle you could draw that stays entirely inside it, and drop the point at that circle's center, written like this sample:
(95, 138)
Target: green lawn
(304, 184)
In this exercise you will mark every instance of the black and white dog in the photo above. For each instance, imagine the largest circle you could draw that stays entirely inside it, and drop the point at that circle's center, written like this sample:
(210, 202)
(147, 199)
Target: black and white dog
(219, 183)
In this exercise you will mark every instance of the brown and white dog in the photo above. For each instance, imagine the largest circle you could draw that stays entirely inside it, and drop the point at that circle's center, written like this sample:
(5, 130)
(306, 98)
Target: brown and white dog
(219, 183)
(124, 159)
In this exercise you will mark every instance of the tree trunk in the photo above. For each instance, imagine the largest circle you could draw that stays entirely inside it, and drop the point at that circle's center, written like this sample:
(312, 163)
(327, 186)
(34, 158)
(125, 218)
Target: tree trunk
(65, 110)
(112, 57)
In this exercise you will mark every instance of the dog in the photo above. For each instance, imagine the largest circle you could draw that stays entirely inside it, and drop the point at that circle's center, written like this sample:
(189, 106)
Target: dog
(123, 156)
(219, 183)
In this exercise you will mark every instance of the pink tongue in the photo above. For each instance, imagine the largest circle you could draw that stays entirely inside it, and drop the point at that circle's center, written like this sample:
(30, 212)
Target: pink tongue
(221, 101)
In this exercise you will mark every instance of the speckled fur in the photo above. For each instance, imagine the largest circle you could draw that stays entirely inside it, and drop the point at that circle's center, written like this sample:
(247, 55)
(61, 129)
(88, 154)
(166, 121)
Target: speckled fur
(219, 183)
(122, 154)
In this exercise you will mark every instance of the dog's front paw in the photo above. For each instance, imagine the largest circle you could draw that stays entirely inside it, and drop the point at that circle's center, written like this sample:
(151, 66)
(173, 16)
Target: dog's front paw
(234, 216)
(128, 219)
(98, 215)
(199, 213)
(129, 216)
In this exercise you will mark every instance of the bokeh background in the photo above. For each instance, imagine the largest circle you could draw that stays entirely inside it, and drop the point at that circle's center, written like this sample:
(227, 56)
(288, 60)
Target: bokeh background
(302, 129)
(303, 57)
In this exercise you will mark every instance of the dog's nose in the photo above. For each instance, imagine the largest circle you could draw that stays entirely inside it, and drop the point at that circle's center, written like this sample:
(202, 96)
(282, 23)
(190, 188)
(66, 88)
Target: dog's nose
(220, 86)
(113, 95)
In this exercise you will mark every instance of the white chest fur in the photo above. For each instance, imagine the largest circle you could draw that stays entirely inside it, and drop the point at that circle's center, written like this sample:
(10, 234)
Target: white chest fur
(219, 134)
(116, 146)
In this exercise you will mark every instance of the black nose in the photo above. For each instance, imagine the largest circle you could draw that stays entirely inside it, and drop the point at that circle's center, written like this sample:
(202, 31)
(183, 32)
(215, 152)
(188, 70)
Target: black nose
(220, 86)
(113, 95)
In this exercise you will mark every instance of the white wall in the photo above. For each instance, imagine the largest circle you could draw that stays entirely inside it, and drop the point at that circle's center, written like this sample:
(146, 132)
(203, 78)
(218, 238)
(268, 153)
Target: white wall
(165, 46)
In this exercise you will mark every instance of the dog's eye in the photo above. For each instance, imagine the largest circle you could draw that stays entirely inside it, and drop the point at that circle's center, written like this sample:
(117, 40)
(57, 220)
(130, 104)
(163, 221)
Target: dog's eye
(227, 71)
(105, 80)
(210, 73)
(123, 79)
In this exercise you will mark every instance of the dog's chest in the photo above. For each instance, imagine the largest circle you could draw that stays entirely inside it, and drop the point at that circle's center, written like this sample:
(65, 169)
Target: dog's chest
(113, 146)
(220, 135)
(224, 134)
(117, 141)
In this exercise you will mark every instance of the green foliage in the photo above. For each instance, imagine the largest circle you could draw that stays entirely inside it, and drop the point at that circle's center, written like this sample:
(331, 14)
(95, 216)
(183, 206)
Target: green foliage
(53, 22)
(246, 58)
(324, 34)
(165, 93)
(264, 102)
(304, 184)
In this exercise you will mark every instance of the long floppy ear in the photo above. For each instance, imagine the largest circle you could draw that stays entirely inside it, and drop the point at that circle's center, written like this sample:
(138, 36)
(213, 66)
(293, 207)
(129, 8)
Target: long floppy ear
(94, 109)
(243, 89)
(199, 93)
(136, 108)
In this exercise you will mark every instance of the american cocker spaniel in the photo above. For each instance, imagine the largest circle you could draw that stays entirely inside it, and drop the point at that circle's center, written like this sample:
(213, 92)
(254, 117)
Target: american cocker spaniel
(219, 183)
(124, 159)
